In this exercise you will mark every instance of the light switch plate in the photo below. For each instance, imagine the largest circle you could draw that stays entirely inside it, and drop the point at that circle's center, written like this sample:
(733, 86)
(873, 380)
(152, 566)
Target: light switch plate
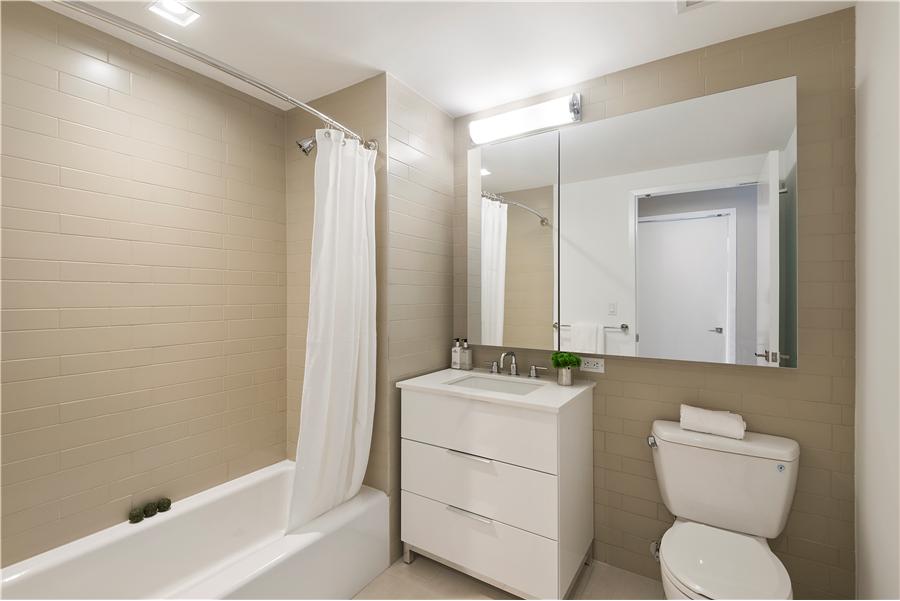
(594, 364)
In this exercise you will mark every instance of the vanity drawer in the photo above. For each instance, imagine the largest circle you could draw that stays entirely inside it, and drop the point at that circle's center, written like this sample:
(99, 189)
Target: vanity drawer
(520, 560)
(516, 496)
(509, 434)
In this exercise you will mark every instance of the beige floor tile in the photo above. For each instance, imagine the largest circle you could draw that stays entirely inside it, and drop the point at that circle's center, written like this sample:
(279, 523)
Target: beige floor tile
(427, 579)
(608, 582)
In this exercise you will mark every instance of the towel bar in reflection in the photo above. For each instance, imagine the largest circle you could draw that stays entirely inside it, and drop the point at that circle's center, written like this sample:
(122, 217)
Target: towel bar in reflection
(623, 327)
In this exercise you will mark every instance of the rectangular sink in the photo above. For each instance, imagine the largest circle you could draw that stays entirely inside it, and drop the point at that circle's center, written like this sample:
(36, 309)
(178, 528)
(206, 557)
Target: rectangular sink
(495, 385)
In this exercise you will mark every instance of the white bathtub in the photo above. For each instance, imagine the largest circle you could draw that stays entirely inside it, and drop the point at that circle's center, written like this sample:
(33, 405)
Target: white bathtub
(224, 543)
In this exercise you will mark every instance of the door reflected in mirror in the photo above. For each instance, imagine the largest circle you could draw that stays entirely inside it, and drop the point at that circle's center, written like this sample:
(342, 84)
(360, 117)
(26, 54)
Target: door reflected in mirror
(678, 230)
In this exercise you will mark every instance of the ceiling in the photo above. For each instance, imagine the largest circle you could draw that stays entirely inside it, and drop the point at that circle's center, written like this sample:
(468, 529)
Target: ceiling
(464, 57)
(744, 122)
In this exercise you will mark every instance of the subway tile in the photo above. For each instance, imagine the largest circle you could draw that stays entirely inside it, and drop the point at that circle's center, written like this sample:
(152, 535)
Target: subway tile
(82, 88)
(65, 59)
(22, 68)
(22, 118)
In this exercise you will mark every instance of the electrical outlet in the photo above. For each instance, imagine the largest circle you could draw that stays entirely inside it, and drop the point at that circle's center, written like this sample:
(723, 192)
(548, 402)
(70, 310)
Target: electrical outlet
(594, 364)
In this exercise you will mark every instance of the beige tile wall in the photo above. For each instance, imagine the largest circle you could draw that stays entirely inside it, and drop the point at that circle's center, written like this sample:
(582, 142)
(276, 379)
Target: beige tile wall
(813, 404)
(143, 274)
(528, 303)
(419, 256)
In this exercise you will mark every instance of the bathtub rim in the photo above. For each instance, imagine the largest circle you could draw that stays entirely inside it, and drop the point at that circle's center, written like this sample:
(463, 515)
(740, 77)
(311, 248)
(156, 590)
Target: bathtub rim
(123, 530)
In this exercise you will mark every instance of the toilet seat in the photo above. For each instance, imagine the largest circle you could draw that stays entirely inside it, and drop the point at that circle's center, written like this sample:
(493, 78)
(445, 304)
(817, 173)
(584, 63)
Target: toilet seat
(704, 562)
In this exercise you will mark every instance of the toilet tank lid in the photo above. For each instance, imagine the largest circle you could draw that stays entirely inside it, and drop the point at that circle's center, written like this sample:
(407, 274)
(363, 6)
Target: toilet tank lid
(753, 443)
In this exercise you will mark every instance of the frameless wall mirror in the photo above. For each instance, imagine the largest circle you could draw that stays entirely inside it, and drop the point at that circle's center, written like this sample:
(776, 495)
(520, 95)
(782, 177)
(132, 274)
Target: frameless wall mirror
(512, 278)
(678, 231)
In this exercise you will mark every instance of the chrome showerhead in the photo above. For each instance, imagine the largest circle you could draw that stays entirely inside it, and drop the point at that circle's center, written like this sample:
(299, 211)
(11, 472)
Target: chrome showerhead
(307, 145)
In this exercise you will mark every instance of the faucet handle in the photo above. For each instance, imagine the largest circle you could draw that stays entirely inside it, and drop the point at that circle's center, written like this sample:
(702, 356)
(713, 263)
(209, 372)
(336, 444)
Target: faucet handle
(533, 371)
(495, 367)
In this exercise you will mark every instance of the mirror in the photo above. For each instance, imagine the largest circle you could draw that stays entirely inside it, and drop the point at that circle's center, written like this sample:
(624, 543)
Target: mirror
(512, 196)
(678, 230)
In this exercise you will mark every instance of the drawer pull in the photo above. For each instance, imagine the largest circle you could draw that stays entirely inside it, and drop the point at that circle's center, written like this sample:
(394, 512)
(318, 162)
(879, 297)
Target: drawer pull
(469, 456)
(470, 515)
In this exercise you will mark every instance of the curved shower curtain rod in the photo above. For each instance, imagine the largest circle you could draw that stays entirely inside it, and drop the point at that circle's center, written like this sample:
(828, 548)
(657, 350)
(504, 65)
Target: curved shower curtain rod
(506, 201)
(172, 44)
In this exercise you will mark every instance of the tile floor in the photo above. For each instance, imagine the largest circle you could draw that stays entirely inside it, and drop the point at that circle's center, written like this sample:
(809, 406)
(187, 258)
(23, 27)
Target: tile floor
(427, 579)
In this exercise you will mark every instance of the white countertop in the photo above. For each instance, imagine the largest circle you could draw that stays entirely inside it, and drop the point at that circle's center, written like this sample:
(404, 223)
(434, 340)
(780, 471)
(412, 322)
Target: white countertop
(550, 397)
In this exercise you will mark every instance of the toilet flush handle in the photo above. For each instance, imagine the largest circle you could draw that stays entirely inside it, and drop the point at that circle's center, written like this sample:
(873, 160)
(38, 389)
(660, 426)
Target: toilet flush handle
(651, 442)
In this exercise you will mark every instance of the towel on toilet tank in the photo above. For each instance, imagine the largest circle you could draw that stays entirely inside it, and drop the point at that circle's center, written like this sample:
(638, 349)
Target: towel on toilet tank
(720, 423)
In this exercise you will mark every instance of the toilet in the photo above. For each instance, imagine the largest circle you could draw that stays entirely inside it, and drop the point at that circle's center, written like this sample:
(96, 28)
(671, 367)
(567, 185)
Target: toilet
(728, 496)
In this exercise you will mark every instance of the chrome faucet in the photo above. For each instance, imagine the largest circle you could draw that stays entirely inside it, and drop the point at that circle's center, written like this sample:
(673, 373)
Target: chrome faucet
(513, 368)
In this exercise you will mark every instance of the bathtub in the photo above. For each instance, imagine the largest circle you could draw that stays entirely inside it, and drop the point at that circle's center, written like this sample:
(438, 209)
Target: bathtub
(223, 543)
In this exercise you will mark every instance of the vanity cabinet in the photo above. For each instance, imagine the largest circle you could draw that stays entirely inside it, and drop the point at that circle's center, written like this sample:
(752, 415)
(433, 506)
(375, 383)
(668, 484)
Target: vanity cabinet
(498, 485)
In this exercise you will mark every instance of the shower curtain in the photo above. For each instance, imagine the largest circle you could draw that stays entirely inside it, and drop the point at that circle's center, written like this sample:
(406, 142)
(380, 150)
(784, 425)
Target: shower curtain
(338, 399)
(493, 270)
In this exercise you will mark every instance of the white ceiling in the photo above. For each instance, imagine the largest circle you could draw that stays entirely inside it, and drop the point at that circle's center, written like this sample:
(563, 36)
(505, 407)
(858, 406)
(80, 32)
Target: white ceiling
(465, 56)
(743, 122)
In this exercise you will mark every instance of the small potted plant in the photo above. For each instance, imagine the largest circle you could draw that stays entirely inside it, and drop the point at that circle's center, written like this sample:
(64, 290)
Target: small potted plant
(564, 363)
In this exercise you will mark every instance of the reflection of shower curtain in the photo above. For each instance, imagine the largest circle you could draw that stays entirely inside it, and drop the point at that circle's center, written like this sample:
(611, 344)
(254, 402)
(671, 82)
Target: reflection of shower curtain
(493, 271)
(338, 402)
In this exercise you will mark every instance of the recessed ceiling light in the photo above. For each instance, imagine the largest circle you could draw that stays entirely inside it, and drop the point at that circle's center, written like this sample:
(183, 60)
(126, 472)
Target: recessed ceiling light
(174, 11)
(683, 5)
(485, 171)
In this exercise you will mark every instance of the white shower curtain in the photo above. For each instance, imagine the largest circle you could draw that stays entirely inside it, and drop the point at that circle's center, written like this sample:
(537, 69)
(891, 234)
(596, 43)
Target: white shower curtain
(493, 270)
(338, 401)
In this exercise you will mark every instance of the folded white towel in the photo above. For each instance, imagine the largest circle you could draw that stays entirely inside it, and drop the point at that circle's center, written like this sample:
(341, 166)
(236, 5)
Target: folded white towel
(587, 337)
(720, 423)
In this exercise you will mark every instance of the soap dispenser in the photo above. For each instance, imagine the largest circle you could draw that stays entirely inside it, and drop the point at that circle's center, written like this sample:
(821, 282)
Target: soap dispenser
(455, 352)
(465, 355)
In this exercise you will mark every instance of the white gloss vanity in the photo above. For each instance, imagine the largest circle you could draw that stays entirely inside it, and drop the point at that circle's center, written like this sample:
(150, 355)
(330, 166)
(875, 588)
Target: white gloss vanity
(497, 477)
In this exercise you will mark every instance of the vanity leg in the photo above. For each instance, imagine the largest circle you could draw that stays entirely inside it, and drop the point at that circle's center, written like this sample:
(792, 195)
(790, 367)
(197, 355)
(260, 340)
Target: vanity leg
(408, 554)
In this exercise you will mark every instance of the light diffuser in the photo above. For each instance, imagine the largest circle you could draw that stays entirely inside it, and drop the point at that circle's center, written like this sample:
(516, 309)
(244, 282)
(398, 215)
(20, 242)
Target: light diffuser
(559, 111)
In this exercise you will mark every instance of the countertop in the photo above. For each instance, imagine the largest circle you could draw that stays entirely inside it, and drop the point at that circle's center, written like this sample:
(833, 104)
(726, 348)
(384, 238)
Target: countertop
(549, 397)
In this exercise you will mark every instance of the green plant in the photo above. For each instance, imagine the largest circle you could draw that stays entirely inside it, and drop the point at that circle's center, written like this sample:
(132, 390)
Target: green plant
(150, 509)
(135, 515)
(164, 504)
(561, 359)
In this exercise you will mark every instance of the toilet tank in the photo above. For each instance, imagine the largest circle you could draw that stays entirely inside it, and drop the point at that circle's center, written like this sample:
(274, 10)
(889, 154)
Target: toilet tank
(742, 485)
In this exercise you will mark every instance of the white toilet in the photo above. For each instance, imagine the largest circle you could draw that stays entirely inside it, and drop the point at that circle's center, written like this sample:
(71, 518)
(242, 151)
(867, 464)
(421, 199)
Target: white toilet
(728, 496)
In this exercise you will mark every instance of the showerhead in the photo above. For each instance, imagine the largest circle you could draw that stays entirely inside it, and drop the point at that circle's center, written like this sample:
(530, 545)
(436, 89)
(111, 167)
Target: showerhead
(307, 145)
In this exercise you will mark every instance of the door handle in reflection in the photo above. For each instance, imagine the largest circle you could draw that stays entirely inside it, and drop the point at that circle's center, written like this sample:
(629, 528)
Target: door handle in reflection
(716, 330)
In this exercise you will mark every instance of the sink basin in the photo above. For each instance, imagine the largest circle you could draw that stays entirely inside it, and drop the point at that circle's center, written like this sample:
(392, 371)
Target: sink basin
(496, 385)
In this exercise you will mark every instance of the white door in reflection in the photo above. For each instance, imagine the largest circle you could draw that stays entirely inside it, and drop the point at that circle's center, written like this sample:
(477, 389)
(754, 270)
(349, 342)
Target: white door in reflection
(686, 286)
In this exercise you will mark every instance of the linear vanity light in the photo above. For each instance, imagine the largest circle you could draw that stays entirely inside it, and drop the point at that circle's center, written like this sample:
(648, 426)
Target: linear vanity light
(174, 11)
(559, 111)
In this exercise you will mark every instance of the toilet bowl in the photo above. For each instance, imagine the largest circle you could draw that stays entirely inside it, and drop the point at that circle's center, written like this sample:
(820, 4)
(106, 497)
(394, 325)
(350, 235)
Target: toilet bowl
(704, 562)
